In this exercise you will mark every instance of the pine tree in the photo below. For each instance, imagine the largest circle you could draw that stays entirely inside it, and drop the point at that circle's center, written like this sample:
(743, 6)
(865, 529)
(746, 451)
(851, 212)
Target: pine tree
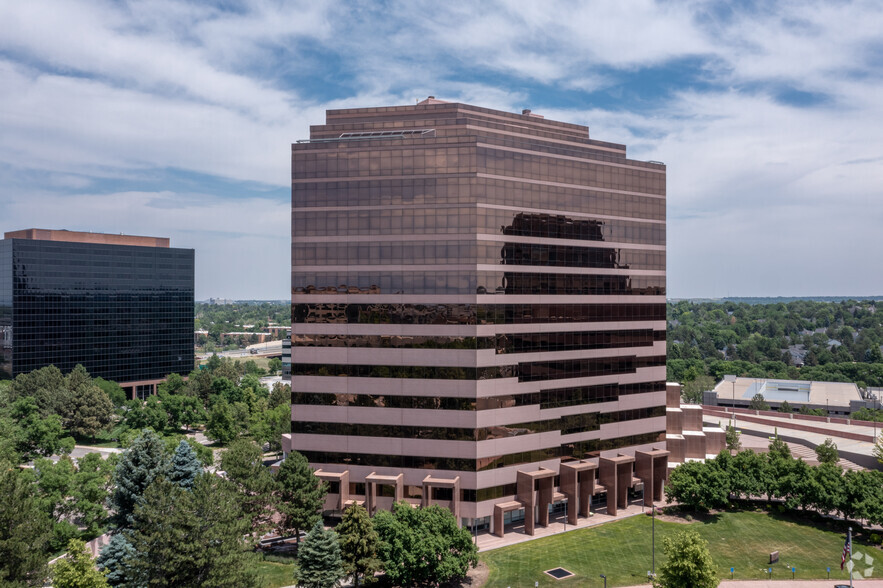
(138, 467)
(25, 530)
(115, 559)
(318, 560)
(194, 538)
(243, 463)
(185, 466)
(358, 544)
(77, 570)
(302, 495)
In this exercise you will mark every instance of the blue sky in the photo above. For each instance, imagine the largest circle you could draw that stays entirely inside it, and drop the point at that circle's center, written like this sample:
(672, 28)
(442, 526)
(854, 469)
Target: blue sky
(173, 118)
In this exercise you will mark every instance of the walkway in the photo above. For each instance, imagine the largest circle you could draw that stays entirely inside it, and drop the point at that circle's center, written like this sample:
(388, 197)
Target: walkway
(857, 452)
(515, 533)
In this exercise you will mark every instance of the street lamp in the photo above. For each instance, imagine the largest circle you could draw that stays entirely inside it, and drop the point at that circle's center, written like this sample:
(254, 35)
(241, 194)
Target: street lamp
(732, 379)
(605, 580)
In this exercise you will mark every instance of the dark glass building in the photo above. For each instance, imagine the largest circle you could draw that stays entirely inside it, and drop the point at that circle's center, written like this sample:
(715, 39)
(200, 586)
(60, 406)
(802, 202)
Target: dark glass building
(120, 305)
(478, 308)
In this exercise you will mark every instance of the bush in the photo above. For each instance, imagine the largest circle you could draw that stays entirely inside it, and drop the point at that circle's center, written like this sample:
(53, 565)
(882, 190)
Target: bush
(875, 539)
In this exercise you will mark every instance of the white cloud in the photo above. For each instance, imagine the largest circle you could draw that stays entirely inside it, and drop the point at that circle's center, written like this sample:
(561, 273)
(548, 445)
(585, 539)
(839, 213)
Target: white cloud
(91, 90)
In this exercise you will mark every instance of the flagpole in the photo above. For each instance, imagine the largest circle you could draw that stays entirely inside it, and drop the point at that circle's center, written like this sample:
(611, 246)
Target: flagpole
(849, 540)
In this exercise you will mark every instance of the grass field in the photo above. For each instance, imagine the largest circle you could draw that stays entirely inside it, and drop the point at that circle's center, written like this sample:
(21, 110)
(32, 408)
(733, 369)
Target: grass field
(275, 575)
(622, 551)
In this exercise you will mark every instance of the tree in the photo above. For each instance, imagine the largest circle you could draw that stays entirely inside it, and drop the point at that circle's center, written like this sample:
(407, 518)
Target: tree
(275, 365)
(185, 466)
(689, 563)
(92, 486)
(194, 538)
(748, 474)
(54, 483)
(146, 415)
(358, 544)
(301, 495)
(38, 434)
(424, 545)
(77, 570)
(90, 411)
(46, 386)
(732, 439)
(878, 448)
(221, 425)
(827, 452)
(173, 384)
(693, 390)
(281, 394)
(204, 454)
(25, 530)
(758, 403)
(318, 560)
(115, 558)
(779, 448)
(244, 465)
(113, 390)
(268, 425)
(138, 467)
(785, 407)
(698, 486)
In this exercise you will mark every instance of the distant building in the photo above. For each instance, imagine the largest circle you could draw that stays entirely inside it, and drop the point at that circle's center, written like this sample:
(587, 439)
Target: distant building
(838, 398)
(120, 305)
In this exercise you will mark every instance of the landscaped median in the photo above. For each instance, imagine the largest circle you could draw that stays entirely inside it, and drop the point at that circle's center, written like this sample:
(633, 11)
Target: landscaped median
(621, 550)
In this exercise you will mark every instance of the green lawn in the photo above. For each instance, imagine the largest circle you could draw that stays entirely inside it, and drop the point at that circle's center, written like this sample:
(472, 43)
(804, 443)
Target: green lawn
(275, 575)
(622, 552)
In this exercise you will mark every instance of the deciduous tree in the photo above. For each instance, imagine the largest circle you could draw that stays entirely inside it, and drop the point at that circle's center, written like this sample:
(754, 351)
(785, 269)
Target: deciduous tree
(827, 452)
(91, 411)
(221, 424)
(689, 563)
(424, 545)
(76, 569)
(698, 486)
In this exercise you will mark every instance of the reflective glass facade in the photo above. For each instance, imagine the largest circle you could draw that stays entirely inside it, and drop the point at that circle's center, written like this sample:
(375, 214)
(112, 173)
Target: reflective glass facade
(124, 312)
(474, 293)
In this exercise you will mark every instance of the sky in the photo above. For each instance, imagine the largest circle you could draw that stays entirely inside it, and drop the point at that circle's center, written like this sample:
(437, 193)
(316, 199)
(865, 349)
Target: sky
(173, 118)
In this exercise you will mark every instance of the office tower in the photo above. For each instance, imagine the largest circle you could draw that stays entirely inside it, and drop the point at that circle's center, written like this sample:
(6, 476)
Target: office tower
(120, 305)
(478, 308)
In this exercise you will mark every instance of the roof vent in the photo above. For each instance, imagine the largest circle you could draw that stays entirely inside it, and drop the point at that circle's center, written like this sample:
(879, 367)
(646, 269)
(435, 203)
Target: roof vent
(432, 97)
(526, 111)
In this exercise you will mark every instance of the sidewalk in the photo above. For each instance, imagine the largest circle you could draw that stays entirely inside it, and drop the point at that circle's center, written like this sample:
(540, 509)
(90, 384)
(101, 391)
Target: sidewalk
(515, 533)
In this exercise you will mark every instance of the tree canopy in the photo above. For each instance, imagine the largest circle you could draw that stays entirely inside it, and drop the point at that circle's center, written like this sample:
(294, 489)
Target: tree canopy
(423, 546)
(689, 563)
